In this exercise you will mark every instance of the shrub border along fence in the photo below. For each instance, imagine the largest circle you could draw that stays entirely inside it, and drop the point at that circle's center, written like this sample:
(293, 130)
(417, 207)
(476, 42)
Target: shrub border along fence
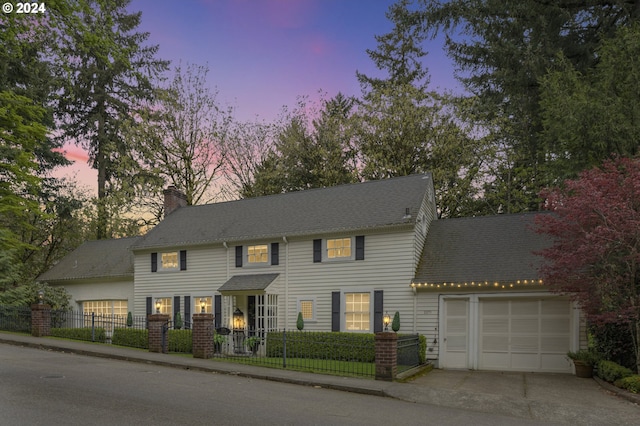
(382, 351)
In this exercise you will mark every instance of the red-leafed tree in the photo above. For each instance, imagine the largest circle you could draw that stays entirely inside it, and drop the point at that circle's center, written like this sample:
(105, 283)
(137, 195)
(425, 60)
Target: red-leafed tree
(595, 256)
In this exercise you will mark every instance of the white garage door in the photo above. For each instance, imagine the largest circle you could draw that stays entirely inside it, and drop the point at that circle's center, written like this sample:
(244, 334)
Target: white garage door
(524, 334)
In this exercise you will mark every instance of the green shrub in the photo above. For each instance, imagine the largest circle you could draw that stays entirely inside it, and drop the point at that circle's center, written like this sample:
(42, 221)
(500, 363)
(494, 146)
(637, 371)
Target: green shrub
(323, 345)
(611, 372)
(80, 334)
(423, 349)
(180, 341)
(131, 337)
(630, 383)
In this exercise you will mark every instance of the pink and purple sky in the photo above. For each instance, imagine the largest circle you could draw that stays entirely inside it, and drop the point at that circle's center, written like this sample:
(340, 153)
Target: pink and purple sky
(264, 54)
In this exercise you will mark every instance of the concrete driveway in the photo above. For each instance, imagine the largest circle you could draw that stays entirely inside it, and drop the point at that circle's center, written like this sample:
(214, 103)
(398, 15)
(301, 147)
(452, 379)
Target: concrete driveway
(549, 398)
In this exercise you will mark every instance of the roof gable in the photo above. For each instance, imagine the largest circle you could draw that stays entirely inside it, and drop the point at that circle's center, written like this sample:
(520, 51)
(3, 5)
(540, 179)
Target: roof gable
(94, 259)
(479, 249)
(367, 205)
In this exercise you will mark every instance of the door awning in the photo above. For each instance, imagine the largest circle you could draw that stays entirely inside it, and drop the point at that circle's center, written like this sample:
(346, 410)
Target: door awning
(245, 283)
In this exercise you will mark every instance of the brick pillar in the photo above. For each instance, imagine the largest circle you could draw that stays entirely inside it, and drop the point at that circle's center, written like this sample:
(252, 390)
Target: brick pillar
(156, 322)
(386, 356)
(202, 336)
(40, 320)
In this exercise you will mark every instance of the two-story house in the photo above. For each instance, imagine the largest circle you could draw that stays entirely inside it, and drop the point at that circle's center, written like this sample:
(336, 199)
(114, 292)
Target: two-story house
(342, 256)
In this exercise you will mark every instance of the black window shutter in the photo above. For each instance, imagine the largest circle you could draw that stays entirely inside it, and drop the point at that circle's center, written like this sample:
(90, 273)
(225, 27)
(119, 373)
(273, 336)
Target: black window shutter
(378, 307)
(176, 306)
(238, 256)
(183, 260)
(335, 311)
(154, 262)
(149, 306)
(217, 309)
(360, 247)
(187, 312)
(317, 251)
(275, 253)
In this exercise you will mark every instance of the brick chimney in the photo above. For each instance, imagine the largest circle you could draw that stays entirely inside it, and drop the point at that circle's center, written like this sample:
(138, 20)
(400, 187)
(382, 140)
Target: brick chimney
(173, 200)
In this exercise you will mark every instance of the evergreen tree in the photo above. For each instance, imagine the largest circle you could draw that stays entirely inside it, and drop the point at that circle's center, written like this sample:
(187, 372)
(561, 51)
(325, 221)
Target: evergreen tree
(108, 72)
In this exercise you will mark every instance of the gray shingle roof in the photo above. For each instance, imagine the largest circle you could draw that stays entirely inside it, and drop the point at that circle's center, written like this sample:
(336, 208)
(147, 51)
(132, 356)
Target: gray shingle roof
(248, 282)
(374, 204)
(488, 248)
(95, 259)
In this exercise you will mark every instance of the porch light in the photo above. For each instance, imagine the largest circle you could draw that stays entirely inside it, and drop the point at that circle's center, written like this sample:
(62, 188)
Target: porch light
(386, 319)
(40, 297)
(238, 319)
(202, 304)
(158, 304)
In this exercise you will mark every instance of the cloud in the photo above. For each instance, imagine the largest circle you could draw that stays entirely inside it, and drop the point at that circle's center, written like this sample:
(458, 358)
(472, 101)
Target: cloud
(73, 153)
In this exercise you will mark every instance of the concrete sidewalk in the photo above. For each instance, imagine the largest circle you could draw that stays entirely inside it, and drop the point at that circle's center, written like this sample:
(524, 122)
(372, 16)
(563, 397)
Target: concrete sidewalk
(549, 398)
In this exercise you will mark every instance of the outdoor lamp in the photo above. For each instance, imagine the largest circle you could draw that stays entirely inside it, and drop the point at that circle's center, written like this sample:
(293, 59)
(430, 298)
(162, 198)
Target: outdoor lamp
(202, 306)
(41, 297)
(238, 319)
(157, 306)
(386, 319)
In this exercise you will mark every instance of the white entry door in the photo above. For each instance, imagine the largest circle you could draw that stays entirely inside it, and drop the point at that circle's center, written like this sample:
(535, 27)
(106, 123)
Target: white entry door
(455, 345)
(525, 334)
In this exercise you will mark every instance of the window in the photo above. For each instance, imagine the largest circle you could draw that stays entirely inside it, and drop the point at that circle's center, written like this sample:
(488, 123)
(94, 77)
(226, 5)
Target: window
(257, 254)
(306, 306)
(357, 311)
(105, 307)
(169, 260)
(208, 307)
(165, 305)
(339, 248)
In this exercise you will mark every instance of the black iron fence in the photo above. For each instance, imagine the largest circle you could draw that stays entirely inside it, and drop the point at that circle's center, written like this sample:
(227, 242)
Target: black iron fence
(15, 319)
(319, 352)
(350, 354)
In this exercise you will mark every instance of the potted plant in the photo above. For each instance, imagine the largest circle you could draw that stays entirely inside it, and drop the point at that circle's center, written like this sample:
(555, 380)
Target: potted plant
(253, 343)
(218, 341)
(583, 361)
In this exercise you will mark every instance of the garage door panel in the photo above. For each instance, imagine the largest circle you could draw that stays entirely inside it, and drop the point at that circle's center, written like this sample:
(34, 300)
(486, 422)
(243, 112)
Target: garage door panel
(525, 334)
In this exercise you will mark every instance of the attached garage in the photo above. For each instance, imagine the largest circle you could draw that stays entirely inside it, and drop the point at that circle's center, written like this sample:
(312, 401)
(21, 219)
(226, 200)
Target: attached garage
(506, 333)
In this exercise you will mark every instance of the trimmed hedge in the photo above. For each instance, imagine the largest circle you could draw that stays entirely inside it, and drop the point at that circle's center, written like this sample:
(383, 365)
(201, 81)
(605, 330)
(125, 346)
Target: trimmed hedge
(80, 334)
(131, 337)
(180, 341)
(630, 383)
(423, 349)
(611, 372)
(323, 345)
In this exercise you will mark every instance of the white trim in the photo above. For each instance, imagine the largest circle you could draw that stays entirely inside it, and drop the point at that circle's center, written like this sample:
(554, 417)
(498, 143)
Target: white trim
(343, 304)
(311, 299)
(325, 250)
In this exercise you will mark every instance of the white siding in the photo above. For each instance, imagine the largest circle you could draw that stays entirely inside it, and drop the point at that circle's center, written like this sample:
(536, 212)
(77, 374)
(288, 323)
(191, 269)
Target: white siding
(95, 289)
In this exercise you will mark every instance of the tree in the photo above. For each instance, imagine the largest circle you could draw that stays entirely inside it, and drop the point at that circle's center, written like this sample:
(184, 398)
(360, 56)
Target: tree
(595, 256)
(181, 138)
(502, 51)
(402, 128)
(107, 72)
(308, 153)
(27, 153)
(590, 116)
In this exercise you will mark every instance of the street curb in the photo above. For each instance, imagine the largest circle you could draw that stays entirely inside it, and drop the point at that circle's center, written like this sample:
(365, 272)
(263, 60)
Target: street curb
(632, 397)
(186, 366)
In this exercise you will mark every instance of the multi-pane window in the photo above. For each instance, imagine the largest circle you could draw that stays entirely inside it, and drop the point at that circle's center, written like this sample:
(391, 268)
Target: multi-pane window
(164, 303)
(208, 307)
(339, 247)
(257, 254)
(169, 260)
(105, 307)
(357, 311)
(306, 307)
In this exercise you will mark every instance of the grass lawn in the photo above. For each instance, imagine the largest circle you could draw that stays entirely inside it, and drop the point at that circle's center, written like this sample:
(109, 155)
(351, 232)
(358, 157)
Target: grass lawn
(323, 366)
